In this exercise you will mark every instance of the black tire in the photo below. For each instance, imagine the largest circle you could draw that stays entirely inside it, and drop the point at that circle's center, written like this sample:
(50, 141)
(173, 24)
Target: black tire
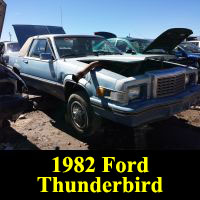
(80, 115)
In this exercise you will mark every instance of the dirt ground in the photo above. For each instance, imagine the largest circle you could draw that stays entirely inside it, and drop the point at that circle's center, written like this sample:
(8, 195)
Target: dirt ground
(45, 129)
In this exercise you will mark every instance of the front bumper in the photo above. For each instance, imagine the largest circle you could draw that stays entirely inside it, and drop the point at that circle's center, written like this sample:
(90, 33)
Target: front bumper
(139, 113)
(11, 105)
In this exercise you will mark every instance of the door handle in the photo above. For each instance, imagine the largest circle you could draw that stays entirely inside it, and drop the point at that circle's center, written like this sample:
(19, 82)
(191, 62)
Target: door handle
(25, 61)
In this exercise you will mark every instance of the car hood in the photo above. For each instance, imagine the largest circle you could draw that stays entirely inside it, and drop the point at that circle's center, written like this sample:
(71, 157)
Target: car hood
(2, 14)
(169, 39)
(120, 58)
(23, 32)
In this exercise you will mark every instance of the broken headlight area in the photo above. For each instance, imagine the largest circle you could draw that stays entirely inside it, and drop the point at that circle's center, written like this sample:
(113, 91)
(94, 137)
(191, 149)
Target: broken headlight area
(191, 79)
(134, 92)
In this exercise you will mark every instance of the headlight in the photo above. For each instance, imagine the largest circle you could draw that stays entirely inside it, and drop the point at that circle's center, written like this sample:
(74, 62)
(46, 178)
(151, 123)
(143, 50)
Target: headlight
(134, 93)
(121, 97)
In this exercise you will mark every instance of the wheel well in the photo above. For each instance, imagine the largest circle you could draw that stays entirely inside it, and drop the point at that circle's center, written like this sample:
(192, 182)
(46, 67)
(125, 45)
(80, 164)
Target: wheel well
(71, 87)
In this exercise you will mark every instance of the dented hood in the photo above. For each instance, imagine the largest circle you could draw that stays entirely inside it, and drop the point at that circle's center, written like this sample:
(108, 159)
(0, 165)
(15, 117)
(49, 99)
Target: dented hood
(2, 14)
(168, 40)
(23, 32)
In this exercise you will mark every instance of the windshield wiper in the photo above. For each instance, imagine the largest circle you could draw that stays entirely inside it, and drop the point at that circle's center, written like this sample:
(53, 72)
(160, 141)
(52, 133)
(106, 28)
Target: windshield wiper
(97, 53)
(72, 55)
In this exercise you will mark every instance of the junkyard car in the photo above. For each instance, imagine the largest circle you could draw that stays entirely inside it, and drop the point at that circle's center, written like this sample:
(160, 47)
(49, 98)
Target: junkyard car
(131, 90)
(5, 49)
(195, 42)
(185, 53)
(190, 52)
(126, 44)
(163, 44)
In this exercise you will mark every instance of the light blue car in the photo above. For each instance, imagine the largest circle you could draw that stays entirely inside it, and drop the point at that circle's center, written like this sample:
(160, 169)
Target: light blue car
(96, 81)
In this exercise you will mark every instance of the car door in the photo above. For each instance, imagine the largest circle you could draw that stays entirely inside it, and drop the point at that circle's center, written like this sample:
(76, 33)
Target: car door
(38, 73)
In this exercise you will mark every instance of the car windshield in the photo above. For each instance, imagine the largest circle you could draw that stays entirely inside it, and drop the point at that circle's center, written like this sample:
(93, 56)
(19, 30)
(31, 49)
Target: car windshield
(13, 47)
(84, 46)
(140, 44)
(190, 48)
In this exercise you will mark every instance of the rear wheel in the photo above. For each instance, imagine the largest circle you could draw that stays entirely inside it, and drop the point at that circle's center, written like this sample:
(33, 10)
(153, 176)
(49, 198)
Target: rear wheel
(81, 116)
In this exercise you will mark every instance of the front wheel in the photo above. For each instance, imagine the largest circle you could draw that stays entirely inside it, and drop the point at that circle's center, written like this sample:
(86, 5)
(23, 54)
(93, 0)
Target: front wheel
(81, 116)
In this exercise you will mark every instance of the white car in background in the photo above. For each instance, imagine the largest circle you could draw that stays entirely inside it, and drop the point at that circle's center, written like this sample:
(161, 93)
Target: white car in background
(195, 42)
(6, 48)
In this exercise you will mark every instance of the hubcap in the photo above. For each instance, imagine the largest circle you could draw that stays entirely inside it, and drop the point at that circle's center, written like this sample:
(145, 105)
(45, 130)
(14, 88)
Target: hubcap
(79, 115)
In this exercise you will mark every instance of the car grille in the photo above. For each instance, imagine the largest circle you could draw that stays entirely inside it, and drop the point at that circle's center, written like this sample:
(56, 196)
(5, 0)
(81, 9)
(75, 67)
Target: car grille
(168, 86)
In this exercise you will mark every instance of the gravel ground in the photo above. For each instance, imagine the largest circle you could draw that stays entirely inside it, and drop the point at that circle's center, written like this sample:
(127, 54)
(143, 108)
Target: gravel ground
(45, 129)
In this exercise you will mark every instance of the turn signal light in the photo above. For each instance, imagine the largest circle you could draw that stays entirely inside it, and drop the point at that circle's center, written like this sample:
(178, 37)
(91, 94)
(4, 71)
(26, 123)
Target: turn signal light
(101, 91)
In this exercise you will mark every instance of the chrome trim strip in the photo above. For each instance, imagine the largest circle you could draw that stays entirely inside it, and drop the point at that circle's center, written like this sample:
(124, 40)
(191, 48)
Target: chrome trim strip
(42, 80)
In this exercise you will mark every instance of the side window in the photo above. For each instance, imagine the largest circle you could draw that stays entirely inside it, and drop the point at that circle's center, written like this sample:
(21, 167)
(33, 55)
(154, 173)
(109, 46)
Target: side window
(122, 45)
(38, 47)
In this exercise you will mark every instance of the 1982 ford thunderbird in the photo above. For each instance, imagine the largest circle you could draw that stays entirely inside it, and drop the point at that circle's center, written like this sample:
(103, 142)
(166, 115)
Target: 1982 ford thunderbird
(95, 80)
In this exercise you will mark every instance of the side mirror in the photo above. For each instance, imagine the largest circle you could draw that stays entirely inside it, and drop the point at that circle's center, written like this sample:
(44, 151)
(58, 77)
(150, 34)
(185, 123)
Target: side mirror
(46, 57)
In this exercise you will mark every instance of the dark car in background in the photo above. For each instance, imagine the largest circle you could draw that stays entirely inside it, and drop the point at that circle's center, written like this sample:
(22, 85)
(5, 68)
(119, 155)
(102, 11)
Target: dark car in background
(12, 103)
(189, 54)
(189, 51)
